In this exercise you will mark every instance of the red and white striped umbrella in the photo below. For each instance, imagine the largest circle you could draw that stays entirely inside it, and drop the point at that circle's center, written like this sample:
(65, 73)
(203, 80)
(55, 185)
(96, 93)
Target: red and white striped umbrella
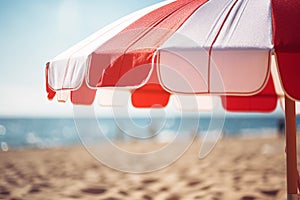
(246, 51)
(238, 36)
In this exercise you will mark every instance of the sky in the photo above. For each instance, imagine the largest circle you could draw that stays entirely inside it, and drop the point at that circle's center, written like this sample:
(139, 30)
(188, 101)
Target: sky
(34, 31)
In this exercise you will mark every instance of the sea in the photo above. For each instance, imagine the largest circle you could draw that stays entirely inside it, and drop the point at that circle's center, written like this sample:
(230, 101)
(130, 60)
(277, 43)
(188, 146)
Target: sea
(16, 133)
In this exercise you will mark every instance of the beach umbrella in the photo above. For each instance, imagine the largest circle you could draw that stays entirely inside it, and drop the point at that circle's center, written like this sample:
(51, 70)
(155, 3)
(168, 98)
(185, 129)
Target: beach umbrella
(245, 51)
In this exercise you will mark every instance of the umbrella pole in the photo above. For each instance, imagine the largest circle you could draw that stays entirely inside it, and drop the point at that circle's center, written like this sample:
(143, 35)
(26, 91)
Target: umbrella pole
(291, 149)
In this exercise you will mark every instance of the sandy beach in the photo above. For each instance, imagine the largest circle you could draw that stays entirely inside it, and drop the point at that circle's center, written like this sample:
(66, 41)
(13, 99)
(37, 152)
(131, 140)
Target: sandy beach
(237, 168)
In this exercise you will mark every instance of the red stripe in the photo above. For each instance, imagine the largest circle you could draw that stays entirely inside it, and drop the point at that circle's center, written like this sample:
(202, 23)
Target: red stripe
(84, 95)
(265, 101)
(51, 93)
(150, 95)
(289, 69)
(286, 36)
(286, 25)
(138, 46)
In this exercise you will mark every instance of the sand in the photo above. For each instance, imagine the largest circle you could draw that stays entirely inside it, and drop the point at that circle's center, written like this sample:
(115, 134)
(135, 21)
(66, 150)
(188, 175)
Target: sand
(243, 169)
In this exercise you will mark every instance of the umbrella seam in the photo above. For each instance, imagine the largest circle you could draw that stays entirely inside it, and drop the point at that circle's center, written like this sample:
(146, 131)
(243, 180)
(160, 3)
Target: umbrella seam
(211, 46)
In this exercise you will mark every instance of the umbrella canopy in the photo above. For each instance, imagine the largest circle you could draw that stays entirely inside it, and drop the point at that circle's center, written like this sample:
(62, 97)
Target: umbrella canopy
(248, 52)
(231, 41)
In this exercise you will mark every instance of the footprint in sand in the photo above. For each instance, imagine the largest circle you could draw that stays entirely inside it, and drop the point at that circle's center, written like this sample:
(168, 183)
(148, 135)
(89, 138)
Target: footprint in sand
(248, 198)
(15, 198)
(193, 183)
(94, 190)
(147, 197)
(34, 190)
(218, 193)
(270, 192)
(139, 188)
(4, 190)
(206, 187)
(236, 188)
(149, 181)
(111, 198)
(75, 196)
(38, 187)
(123, 193)
(198, 197)
(164, 189)
(237, 178)
(44, 185)
(173, 197)
(12, 181)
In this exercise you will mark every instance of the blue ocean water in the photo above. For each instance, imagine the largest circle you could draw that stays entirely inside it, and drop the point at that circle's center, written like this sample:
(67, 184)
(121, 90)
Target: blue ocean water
(48, 133)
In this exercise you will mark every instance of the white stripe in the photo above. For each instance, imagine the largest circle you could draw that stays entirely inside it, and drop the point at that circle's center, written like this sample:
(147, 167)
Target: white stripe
(63, 95)
(240, 55)
(192, 102)
(202, 26)
(249, 24)
(276, 78)
(108, 97)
